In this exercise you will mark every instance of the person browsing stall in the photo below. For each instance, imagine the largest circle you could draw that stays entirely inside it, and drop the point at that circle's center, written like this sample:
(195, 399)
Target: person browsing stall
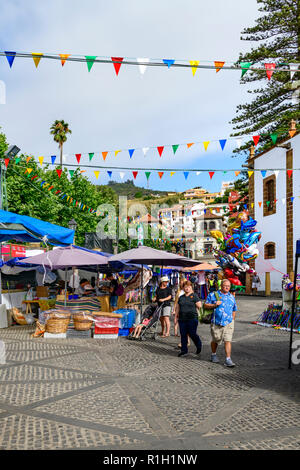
(222, 322)
(187, 316)
(164, 296)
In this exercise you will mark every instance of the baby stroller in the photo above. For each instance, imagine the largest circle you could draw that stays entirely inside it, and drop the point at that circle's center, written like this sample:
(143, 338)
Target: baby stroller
(152, 313)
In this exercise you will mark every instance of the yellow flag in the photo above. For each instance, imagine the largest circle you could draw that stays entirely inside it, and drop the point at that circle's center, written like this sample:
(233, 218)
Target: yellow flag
(97, 174)
(41, 159)
(250, 173)
(29, 170)
(172, 173)
(194, 64)
(252, 204)
(116, 152)
(63, 58)
(36, 58)
(237, 173)
(206, 144)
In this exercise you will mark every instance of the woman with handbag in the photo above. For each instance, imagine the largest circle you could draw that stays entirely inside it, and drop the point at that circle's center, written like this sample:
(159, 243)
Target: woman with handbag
(187, 316)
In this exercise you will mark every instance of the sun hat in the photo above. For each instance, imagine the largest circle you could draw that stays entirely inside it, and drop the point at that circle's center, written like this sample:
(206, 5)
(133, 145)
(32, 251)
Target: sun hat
(164, 279)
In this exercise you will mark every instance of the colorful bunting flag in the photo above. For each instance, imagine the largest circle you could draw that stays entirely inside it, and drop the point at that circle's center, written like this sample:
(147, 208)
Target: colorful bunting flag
(175, 147)
(289, 172)
(211, 174)
(71, 173)
(274, 137)
(186, 174)
(6, 161)
(36, 58)
(172, 173)
(131, 152)
(59, 172)
(142, 67)
(263, 173)
(147, 173)
(97, 174)
(117, 61)
(223, 143)
(41, 159)
(283, 200)
(292, 133)
(135, 173)
(145, 150)
(27, 159)
(250, 173)
(29, 170)
(245, 67)
(53, 158)
(117, 151)
(91, 156)
(194, 64)
(293, 69)
(270, 67)
(78, 157)
(237, 173)
(198, 173)
(189, 145)
(63, 58)
(109, 173)
(17, 160)
(160, 150)
(160, 174)
(276, 172)
(255, 139)
(169, 62)
(218, 65)
(122, 174)
(104, 155)
(239, 143)
(10, 57)
(206, 144)
(90, 59)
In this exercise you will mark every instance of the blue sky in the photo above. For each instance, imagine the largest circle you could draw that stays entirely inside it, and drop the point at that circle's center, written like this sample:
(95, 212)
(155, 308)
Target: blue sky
(105, 112)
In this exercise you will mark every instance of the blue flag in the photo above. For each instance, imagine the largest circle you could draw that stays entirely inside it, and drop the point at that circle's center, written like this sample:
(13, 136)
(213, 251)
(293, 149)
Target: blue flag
(186, 174)
(53, 158)
(10, 57)
(131, 152)
(109, 173)
(263, 173)
(169, 62)
(222, 143)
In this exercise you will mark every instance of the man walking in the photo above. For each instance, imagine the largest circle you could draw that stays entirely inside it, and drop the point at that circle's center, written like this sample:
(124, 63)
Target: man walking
(222, 322)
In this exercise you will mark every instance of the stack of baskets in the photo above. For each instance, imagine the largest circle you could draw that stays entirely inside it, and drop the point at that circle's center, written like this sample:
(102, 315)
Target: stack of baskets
(58, 323)
(83, 320)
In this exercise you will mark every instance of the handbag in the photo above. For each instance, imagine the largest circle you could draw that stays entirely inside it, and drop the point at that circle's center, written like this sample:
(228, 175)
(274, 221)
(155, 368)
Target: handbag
(205, 314)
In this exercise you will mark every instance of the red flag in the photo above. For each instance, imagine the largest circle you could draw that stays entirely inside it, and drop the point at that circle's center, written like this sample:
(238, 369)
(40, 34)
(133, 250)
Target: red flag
(289, 172)
(59, 172)
(270, 69)
(160, 174)
(78, 157)
(256, 139)
(6, 161)
(117, 64)
(135, 174)
(211, 174)
(160, 150)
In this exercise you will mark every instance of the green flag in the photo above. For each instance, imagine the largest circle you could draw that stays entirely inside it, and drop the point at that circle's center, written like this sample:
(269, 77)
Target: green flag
(91, 156)
(90, 59)
(147, 173)
(175, 147)
(274, 137)
(245, 66)
(71, 173)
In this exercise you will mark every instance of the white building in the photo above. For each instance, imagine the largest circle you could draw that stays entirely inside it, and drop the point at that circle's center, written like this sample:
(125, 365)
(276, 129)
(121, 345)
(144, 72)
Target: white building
(274, 201)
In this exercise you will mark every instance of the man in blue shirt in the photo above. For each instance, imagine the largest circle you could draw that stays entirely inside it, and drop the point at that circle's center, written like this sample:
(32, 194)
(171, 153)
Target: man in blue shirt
(222, 322)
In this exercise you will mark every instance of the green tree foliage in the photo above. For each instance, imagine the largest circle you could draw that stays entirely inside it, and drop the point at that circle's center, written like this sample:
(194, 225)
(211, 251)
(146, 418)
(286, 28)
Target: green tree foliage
(28, 198)
(59, 130)
(277, 33)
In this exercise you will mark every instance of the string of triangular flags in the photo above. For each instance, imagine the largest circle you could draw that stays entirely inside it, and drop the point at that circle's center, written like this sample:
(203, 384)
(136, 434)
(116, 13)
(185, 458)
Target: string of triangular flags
(53, 190)
(160, 149)
(143, 63)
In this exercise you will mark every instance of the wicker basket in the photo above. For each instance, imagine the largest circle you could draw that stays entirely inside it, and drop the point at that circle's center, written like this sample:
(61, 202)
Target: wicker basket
(18, 316)
(58, 324)
(83, 321)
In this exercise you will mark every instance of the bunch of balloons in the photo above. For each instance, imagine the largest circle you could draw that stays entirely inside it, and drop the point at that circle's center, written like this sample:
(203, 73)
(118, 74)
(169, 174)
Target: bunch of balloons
(237, 247)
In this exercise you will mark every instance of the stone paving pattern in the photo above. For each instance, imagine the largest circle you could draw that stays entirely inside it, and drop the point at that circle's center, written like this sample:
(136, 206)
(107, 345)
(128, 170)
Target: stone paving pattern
(119, 394)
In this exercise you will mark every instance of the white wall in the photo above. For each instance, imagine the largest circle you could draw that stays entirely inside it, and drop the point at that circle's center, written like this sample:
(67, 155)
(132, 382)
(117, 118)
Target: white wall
(273, 227)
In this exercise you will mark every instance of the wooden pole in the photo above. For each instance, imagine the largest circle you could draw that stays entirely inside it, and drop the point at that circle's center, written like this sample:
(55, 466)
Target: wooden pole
(268, 285)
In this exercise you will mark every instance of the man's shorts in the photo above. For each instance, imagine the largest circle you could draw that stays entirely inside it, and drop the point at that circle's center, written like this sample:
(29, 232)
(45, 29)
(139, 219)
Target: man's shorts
(222, 333)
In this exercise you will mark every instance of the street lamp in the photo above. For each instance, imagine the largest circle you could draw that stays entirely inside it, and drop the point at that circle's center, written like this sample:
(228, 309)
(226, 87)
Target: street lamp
(72, 225)
(11, 152)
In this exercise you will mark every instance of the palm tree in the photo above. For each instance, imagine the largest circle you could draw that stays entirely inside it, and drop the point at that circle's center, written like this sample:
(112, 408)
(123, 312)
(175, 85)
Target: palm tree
(60, 129)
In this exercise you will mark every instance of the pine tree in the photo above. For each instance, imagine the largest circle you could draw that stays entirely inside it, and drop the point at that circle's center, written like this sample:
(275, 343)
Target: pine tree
(277, 32)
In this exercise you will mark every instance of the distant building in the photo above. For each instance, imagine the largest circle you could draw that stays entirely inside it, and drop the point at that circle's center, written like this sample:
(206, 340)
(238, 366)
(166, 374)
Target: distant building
(200, 193)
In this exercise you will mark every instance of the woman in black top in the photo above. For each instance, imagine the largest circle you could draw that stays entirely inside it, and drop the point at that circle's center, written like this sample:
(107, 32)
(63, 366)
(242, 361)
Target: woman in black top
(187, 316)
(164, 296)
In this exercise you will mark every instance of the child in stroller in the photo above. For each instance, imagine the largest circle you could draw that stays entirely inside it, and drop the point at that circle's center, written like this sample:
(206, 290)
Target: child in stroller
(150, 317)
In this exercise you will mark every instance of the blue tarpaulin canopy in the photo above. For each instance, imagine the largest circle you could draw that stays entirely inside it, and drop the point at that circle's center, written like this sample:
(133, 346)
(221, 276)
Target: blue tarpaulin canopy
(27, 229)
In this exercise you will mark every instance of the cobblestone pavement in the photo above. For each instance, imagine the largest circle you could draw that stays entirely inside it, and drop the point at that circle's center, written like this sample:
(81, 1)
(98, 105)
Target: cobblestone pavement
(120, 394)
